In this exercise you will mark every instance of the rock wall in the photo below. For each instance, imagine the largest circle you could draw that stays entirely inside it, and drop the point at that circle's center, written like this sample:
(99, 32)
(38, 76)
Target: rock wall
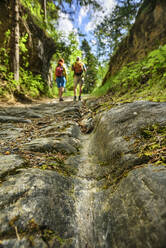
(40, 46)
(148, 33)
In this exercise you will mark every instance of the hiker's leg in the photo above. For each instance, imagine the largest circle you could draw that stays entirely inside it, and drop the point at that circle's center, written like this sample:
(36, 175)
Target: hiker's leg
(75, 90)
(81, 81)
(59, 93)
(80, 91)
(75, 85)
(63, 85)
(62, 90)
(59, 86)
(75, 93)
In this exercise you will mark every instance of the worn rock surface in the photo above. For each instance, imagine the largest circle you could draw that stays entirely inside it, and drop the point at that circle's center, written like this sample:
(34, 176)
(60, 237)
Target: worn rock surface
(118, 133)
(37, 203)
(72, 179)
(132, 215)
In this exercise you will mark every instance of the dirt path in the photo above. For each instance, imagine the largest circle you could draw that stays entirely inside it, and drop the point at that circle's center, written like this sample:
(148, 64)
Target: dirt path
(12, 102)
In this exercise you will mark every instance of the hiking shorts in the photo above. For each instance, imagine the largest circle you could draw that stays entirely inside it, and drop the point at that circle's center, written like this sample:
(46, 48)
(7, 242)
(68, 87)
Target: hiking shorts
(78, 80)
(61, 82)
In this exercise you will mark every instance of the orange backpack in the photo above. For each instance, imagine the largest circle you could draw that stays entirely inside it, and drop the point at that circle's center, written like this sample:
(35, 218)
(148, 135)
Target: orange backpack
(78, 68)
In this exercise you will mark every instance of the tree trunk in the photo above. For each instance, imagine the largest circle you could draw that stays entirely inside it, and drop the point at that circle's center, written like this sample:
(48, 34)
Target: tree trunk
(16, 41)
(45, 10)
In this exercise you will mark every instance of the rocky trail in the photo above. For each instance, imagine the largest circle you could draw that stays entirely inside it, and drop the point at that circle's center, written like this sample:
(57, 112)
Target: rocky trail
(83, 175)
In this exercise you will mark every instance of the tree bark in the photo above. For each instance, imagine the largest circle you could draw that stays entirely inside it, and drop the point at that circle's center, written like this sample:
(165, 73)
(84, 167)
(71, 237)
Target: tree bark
(16, 41)
(45, 10)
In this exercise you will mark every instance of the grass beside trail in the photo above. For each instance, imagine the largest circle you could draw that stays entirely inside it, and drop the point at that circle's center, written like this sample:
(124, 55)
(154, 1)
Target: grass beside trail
(143, 80)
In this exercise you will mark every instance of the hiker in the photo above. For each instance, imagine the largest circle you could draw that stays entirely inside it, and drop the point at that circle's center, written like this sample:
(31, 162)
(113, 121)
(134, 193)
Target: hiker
(78, 67)
(60, 77)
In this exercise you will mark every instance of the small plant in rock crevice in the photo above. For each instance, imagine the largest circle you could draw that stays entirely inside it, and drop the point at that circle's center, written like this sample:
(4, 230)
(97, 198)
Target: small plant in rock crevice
(154, 144)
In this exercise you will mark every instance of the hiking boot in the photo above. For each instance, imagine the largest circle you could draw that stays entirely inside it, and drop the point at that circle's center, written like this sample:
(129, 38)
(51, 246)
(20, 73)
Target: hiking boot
(74, 99)
(79, 98)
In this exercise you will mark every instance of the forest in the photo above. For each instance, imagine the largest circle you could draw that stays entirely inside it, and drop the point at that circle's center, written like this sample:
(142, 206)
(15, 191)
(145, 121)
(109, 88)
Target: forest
(23, 73)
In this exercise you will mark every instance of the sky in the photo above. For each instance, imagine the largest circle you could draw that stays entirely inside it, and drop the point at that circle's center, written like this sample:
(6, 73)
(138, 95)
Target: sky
(85, 19)
(88, 18)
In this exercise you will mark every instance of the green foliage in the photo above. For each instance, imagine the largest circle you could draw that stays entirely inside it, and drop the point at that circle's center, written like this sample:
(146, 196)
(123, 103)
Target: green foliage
(101, 72)
(157, 59)
(91, 66)
(4, 51)
(28, 83)
(144, 79)
(23, 50)
(35, 9)
(22, 43)
(31, 85)
(5, 74)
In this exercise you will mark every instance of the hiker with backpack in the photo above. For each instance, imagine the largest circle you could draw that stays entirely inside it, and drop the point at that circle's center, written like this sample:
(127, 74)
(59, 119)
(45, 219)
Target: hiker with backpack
(78, 67)
(60, 77)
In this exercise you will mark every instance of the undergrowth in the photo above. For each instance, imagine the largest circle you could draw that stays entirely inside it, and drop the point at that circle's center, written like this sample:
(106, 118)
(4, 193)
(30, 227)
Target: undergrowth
(143, 80)
(29, 84)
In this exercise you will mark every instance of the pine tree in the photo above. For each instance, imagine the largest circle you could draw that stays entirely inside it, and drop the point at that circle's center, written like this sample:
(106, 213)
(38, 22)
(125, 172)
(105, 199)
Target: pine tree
(91, 66)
